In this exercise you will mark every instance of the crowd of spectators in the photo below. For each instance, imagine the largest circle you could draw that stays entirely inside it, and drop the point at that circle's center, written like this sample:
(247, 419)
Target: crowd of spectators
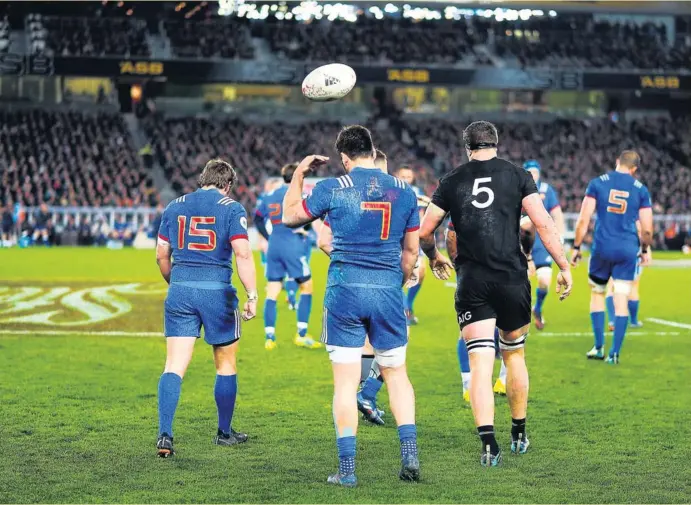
(70, 159)
(211, 38)
(88, 36)
(370, 40)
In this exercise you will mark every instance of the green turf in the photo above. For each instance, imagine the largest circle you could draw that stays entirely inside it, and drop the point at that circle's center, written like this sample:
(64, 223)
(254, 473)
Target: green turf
(78, 412)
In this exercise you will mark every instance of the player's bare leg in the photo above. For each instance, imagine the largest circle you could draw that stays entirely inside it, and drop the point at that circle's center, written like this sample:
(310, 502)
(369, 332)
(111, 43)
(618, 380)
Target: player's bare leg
(479, 338)
(273, 289)
(225, 392)
(345, 414)
(597, 318)
(517, 385)
(304, 308)
(622, 289)
(178, 356)
(402, 400)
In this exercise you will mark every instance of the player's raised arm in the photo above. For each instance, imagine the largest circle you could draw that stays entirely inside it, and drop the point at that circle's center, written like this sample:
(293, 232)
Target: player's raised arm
(440, 264)
(549, 234)
(295, 211)
(325, 239)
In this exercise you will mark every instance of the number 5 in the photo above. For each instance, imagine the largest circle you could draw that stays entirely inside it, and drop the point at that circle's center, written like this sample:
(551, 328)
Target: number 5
(477, 190)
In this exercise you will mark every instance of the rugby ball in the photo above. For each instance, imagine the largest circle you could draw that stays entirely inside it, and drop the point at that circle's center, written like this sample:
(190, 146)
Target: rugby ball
(329, 82)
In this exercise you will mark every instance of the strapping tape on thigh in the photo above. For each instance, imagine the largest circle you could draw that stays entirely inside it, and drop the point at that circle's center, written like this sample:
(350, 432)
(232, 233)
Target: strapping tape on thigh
(479, 344)
(512, 345)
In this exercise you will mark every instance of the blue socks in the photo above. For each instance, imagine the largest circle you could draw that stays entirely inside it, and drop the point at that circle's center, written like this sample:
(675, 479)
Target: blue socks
(346, 455)
(598, 321)
(463, 359)
(304, 309)
(225, 391)
(291, 287)
(407, 434)
(540, 295)
(412, 293)
(169, 386)
(633, 311)
(371, 388)
(270, 318)
(620, 324)
(609, 304)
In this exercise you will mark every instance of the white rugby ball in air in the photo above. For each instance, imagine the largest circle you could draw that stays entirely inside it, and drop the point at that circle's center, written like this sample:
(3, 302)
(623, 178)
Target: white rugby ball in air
(329, 82)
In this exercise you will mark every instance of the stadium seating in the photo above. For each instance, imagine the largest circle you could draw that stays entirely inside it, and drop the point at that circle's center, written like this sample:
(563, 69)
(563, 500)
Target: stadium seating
(70, 158)
(81, 36)
(212, 38)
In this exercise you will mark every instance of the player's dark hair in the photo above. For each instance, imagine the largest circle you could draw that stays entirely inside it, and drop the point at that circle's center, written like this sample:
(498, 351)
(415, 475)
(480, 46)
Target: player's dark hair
(629, 159)
(218, 173)
(480, 135)
(287, 172)
(355, 142)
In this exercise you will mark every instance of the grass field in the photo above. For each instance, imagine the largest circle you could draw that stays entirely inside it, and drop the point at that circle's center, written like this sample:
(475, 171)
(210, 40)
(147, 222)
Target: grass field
(78, 401)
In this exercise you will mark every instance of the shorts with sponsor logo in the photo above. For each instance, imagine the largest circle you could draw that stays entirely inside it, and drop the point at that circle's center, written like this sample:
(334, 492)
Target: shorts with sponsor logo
(352, 312)
(188, 309)
(508, 303)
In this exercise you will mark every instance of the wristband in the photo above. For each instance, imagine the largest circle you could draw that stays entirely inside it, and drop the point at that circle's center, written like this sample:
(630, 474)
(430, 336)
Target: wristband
(644, 249)
(576, 247)
(252, 296)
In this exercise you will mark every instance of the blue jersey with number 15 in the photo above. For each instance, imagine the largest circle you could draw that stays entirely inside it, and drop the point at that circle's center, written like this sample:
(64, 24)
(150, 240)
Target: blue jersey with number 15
(200, 227)
(369, 213)
(618, 199)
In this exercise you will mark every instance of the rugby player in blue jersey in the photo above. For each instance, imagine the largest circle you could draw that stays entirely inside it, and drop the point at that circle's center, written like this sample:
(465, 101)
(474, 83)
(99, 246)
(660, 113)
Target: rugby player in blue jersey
(198, 236)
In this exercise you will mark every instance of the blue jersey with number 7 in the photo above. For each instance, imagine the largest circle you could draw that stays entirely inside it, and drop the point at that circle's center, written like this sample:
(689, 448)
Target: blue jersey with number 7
(618, 199)
(369, 213)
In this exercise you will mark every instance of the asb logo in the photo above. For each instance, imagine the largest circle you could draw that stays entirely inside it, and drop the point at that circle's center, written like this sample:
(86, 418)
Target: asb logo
(66, 306)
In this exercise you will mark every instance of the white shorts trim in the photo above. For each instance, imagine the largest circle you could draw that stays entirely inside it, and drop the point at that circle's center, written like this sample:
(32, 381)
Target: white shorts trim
(544, 272)
(622, 287)
(597, 288)
(344, 355)
(391, 358)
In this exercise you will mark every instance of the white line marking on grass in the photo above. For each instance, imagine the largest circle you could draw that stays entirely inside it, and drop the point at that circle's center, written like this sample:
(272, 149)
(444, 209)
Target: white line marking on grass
(83, 333)
(539, 334)
(669, 323)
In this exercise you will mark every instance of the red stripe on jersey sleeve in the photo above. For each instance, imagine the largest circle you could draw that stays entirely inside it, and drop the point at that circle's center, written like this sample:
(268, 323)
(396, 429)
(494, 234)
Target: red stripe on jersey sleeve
(307, 211)
(238, 237)
(326, 223)
(644, 207)
(163, 238)
(414, 228)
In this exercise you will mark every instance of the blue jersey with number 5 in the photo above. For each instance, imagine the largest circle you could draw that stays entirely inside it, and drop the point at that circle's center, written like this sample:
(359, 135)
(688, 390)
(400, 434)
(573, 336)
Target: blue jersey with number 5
(369, 213)
(200, 227)
(618, 199)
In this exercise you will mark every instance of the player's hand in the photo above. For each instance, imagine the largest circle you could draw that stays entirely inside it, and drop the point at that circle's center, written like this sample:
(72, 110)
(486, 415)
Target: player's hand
(564, 284)
(647, 258)
(310, 163)
(441, 266)
(249, 311)
(576, 257)
(414, 279)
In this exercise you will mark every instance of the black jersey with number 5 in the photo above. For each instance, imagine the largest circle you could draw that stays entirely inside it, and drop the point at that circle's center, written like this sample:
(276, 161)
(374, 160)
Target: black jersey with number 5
(485, 199)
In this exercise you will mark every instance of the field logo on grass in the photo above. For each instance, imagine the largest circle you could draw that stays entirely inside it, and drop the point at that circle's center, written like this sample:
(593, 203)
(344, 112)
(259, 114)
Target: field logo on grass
(68, 307)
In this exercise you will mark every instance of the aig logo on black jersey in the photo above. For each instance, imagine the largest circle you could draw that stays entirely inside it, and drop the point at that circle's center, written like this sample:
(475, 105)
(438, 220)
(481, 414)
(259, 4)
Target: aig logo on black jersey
(465, 317)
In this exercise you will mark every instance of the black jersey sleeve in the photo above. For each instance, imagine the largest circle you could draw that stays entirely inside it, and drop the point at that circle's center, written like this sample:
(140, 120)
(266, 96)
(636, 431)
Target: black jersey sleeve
(439, 198)
(527, 184)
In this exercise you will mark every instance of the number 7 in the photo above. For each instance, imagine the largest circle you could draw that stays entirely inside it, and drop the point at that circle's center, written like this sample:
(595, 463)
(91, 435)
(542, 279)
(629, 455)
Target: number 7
(385, 209)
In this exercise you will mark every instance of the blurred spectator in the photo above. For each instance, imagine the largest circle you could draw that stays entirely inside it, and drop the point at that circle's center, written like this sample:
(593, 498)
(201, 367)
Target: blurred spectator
(226, 37)
(8, 225)
(84, 236)
(122, 230)
(42, 225)
(100, 230)
(69, 235)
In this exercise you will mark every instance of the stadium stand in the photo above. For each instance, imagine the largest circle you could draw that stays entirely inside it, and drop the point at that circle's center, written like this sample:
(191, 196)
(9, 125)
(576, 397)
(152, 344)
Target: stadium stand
(211, 38)
(70, 158)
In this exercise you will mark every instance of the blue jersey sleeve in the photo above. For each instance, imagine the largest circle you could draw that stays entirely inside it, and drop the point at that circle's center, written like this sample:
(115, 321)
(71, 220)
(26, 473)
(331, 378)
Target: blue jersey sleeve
(551, 199)
(413, 223)
(237, 226)
(591, 190)
(164, 228)
(645, 198)
(317, 204)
